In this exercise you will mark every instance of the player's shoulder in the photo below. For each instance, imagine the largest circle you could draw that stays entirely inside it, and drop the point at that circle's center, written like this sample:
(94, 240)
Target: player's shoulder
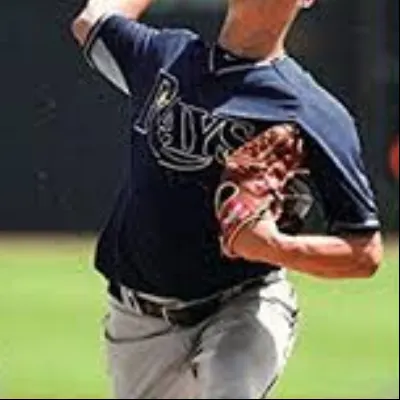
(114, 24)
(312, 93)
(319, 106)
(285, 91)
(176, 44)
(292, 93)
(179, 36)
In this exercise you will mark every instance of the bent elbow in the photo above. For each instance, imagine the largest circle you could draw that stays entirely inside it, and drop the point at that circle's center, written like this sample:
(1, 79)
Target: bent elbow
(79, 30)
(370, 258)
(82, 25)
(74, 28)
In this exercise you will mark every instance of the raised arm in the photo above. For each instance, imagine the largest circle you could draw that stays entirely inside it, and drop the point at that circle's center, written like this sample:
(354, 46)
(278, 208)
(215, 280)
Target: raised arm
(95, 9)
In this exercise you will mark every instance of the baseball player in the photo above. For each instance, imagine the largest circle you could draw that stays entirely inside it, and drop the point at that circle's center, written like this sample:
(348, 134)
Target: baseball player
(231, 144)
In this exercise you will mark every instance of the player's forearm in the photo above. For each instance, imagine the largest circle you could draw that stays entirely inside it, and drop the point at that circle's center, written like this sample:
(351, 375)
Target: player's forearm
(328, 257)
(95, 9)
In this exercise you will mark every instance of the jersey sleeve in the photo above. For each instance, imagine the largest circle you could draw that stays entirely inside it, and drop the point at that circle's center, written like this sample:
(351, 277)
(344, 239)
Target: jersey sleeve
(344, 189)
(127, 52)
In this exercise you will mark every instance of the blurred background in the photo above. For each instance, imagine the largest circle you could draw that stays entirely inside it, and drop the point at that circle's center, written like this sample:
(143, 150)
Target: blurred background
(63, 131)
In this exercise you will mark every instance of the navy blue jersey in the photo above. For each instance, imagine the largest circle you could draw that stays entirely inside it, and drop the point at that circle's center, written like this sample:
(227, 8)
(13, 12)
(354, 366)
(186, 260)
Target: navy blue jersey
(191, 102)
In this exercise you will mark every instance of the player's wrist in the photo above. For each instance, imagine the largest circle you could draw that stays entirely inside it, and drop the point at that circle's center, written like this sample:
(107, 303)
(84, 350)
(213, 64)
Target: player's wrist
(267, 228)
(259, 242)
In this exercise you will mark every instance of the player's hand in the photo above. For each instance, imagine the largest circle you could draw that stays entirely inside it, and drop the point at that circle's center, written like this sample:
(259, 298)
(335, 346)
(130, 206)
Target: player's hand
(255, 180)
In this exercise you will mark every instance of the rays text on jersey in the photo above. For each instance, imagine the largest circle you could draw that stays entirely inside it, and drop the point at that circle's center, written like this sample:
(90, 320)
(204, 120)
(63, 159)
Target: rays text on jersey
(185, 137)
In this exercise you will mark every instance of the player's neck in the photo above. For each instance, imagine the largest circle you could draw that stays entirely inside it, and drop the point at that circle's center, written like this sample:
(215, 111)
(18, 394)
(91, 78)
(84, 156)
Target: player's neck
(247, 47)
(249, 35)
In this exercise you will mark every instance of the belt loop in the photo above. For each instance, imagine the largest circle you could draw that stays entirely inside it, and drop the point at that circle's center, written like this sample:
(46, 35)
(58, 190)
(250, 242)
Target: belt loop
(166, 318)
(133, 300)
(275, 276)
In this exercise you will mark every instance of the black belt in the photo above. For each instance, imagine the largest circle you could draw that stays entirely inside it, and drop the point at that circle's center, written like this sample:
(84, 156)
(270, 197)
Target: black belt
(188, 315)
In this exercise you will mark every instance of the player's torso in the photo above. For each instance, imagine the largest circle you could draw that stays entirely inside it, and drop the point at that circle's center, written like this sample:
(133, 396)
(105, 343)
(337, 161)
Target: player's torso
(164, 235)
(178, 143)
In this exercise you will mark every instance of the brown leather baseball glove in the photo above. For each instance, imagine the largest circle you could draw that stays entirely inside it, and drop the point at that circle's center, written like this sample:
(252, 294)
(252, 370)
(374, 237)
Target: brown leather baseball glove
(256, 181)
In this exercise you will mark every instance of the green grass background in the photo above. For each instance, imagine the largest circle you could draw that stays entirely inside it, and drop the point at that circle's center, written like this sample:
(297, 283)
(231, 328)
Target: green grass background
(52, 303)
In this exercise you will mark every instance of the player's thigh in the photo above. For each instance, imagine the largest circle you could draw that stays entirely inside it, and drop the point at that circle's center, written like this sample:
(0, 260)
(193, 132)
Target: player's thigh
(246, 347)
(147, 358)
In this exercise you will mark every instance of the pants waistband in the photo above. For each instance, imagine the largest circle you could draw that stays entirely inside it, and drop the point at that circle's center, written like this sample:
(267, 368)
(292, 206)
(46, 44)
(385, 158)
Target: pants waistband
(184, 313)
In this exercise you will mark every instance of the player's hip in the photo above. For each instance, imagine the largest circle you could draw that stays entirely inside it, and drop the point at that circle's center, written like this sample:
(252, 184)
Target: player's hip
(273, 289)
(255, 328)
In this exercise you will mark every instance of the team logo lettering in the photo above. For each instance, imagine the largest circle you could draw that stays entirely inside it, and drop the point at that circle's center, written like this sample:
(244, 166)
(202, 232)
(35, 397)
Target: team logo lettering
(184, 137)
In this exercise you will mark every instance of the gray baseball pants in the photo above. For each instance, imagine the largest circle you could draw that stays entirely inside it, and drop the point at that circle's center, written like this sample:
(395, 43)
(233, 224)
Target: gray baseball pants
(238, 353)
